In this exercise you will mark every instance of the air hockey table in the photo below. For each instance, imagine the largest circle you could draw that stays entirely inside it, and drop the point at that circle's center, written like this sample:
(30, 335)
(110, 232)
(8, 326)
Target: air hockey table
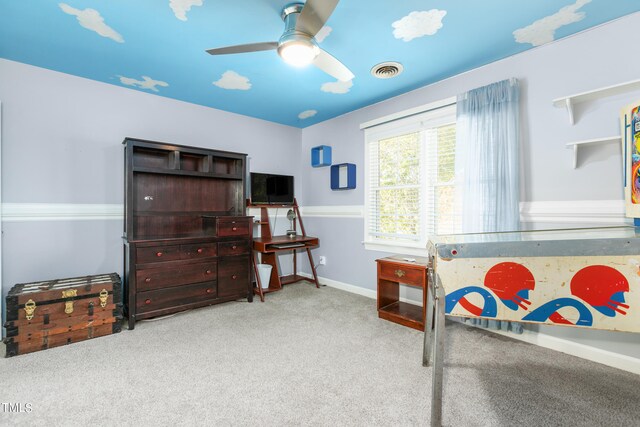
(584, 278)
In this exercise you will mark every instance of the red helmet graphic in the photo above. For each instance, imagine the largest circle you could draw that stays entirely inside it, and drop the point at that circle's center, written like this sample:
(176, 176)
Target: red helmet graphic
(602, 287)
(511, 282)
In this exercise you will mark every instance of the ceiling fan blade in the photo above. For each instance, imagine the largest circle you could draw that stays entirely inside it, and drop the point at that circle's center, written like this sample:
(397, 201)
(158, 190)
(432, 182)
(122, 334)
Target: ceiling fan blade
(332, 66)
(314, 15)
(242, 48)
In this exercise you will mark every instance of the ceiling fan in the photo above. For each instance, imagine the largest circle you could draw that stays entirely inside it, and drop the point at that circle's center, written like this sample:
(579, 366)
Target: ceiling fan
(297, 45)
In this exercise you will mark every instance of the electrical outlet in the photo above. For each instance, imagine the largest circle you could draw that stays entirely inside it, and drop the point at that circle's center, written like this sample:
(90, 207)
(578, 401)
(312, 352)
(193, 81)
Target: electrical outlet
(322, 260)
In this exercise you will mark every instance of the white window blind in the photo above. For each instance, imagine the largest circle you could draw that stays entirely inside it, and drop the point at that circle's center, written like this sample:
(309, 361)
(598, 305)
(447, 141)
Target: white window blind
(443, 200)
(395, 194)
(410, 180)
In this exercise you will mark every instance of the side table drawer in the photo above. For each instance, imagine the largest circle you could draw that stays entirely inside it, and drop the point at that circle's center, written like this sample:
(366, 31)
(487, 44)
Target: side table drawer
(402, 274)
(155, 278)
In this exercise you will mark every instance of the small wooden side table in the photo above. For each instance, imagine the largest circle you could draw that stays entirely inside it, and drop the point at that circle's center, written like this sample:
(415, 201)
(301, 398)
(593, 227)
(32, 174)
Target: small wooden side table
(396, 270)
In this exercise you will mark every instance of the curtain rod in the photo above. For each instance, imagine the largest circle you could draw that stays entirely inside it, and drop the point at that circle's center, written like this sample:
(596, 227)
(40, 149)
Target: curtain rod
(408, 113)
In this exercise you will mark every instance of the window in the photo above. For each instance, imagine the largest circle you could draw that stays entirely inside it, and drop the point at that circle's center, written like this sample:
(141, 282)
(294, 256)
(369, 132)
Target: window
(410, 181)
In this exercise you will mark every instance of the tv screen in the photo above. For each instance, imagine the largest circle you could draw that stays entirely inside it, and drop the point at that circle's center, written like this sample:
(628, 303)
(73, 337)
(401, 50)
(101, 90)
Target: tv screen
(271, 189)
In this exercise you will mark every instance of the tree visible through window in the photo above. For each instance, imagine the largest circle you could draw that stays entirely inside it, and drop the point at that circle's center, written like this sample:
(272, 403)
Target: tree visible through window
(396, 187)
(411, 182)
(445, 214)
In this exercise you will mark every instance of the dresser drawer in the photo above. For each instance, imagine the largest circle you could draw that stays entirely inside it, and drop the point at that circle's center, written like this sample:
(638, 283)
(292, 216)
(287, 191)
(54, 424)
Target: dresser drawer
(402, 274)
(158, 254)
(202, 250)
(233, 227)
(175, 252)
(176, 296)
(237, 247)
(156, 278)
(233, 277)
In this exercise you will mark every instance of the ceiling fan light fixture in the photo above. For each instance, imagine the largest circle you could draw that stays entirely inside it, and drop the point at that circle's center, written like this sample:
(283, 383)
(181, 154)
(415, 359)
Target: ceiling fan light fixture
(298, 52)
(297, 45)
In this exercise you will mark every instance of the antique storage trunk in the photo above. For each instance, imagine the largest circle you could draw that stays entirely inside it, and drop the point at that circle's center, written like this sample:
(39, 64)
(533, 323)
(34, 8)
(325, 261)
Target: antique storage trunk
(52, 313)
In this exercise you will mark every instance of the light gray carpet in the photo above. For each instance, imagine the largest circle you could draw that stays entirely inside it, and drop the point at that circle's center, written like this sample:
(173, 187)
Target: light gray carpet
(307, 357)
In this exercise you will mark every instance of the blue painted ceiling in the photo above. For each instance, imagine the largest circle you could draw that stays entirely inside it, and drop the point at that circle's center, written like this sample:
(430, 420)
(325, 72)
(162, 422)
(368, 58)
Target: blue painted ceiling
(158, 46)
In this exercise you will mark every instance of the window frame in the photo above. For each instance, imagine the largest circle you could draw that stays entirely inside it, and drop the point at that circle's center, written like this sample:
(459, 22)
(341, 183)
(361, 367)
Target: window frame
(429, 116)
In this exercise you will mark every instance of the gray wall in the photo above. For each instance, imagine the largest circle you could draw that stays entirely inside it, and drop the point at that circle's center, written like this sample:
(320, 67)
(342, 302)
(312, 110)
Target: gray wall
(61, 143)
(590, 60)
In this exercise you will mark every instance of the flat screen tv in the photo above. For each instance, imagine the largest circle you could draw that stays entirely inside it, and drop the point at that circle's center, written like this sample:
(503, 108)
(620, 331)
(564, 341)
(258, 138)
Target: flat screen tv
(270, 189)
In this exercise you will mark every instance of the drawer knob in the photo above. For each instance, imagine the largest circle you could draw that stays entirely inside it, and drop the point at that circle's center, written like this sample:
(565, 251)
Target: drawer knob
(199, 250)
(159, 253)
(234, 247)
(208, 271)
(400, 273)
(148, 279)
(209, 290)
(147, 301)
(234, 277)
(234, 229)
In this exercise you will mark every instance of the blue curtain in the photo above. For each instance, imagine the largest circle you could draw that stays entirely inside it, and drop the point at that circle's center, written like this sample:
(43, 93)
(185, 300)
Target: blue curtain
(487, 155)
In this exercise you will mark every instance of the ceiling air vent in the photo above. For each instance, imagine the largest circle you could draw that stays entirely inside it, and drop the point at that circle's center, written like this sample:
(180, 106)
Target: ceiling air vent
(386, 70)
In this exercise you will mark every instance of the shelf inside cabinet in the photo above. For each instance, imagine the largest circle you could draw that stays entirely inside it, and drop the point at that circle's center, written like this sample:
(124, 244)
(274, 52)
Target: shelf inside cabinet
(569, 101)
(402, 312)
(576, 144)
(194, 162)
(157, 170)
(158, 158)
(226, 166)
(152, 158)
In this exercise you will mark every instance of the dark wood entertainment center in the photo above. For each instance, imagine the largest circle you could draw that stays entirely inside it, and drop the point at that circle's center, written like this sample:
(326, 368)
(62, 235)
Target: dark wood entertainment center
(187, 240)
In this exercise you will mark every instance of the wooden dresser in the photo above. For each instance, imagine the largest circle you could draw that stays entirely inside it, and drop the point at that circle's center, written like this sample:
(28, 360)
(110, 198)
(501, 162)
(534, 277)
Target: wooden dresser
(187, 241)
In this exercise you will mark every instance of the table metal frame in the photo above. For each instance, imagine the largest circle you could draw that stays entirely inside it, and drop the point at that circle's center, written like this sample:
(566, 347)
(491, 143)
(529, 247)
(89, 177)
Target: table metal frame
(624, 241)
(433, 349)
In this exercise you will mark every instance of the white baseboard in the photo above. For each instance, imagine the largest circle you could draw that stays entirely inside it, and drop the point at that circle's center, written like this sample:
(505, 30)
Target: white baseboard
(369, 293)
(594, 354)
(608, 358)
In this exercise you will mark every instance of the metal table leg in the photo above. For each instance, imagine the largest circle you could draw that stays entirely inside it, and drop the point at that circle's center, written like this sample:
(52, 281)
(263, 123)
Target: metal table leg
(427, 347)
(438, 356)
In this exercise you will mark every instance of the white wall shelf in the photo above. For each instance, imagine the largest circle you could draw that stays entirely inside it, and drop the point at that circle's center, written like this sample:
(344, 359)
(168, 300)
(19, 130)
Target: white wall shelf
(571, 100)
(596, 141)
